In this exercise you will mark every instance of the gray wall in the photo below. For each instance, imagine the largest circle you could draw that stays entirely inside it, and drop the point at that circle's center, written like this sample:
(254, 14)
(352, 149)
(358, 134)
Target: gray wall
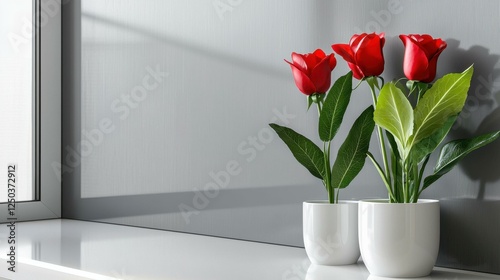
(142, 149)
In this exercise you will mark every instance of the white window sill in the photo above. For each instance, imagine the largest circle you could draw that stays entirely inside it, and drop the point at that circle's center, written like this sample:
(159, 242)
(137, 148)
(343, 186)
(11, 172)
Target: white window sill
(69, 249)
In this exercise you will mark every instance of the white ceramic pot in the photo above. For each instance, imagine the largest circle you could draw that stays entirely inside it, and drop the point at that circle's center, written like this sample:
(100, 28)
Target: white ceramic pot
(399, 239)
(331, 232)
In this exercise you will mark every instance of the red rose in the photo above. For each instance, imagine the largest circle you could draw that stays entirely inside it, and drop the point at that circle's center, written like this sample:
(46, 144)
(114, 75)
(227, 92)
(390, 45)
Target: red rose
(363, 54)
(421, 55)
(312, 72)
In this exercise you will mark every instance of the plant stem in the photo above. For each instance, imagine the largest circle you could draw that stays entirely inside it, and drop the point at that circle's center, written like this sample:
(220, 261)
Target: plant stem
(419, 181)
(381, 136)
(328, 172)
(381, 172)
(326, 152)
(406, 182)
(415, 181)
(319, 108)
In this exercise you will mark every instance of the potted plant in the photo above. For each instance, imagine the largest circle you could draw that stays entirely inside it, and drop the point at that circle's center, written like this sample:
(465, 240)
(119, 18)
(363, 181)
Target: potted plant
(330, 227)
(399, 236)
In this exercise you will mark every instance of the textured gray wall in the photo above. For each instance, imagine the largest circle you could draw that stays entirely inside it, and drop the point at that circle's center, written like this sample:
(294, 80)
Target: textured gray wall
(140, 148)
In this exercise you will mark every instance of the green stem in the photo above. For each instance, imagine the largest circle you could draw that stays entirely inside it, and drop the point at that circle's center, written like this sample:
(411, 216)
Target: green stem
(419, 181)
(319, 109)
(382, 175)
(381, 138)
(326, 159)
(403, 187)
(326, 152)
(327, 167)
(415, 181)
(404, 177)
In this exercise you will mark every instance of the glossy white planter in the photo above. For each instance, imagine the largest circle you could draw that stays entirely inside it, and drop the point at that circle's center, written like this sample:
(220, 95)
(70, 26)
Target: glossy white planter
(331, 232)
(399, 239)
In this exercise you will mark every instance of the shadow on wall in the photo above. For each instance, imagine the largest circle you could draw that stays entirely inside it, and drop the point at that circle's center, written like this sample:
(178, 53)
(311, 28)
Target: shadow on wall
(188, 46)
(469, 226)
(188, 202)
(467, 241)
(481, 113)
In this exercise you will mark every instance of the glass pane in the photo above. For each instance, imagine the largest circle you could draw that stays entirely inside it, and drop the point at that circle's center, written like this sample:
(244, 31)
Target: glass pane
(17, 97)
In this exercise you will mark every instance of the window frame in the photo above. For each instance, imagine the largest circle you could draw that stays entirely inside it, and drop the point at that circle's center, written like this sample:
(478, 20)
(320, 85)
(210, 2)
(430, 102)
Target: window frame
(47, 142)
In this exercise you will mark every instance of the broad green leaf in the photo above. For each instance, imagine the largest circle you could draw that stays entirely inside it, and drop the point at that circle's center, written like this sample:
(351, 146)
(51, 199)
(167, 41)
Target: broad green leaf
(392, 143)
(444, 99)
(429, 180)
(334, 107)
(351, 156)
(427, 145)
(303, 149)
(395, 114)
(454, 151)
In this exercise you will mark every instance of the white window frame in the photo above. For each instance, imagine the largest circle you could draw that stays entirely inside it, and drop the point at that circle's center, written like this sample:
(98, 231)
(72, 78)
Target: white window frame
(47, 203)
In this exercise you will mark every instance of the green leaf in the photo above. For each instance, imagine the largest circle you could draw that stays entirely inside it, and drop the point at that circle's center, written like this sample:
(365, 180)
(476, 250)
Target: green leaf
(395, 114)
(395, 164)
(429, 180)
(351, 156)
(454, 151)
(382, 174)
(334, 107)
(392, 143)
(303, 149)
(444, 99)
(426, 146)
